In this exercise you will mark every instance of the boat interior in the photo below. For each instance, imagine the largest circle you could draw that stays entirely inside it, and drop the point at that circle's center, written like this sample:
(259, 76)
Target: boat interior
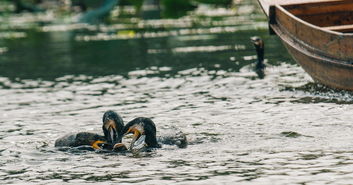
(335, 15)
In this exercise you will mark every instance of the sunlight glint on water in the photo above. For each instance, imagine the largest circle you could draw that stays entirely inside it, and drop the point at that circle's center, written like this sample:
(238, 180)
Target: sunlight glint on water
(282, 129)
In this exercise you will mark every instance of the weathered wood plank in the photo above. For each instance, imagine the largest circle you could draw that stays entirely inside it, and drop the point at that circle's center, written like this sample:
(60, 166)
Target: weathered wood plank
(329, 19)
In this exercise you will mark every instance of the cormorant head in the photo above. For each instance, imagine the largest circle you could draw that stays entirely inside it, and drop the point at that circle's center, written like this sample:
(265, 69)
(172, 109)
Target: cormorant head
(259, 46)
(257, 41)
(142, 128)
(113, 126)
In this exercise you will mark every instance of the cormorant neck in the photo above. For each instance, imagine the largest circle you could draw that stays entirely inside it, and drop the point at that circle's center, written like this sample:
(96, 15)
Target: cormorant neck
(260, 56)
(151, 141)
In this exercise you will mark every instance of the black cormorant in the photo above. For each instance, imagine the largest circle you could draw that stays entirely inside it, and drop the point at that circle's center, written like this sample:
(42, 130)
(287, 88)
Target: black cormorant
(145, 129)
(142, 127)
(113, 126)
(113, 131)
(260, 52)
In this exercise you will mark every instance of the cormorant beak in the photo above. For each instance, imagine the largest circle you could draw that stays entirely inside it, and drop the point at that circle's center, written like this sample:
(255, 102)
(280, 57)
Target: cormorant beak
(257, 41)
(97, 144)
(119, 147)
(138, 132)
(110, 132)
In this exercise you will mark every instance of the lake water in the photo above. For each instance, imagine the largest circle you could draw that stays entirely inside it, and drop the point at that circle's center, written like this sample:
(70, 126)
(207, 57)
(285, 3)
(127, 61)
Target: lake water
(194, 73)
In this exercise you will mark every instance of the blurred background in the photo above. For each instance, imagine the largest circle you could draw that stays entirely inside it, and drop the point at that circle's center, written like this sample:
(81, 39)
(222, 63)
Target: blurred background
(52, 38)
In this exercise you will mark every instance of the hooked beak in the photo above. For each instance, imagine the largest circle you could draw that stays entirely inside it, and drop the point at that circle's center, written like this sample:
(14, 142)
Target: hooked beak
(111, 132)
(119, 147)
(97, 144)
(135, 137)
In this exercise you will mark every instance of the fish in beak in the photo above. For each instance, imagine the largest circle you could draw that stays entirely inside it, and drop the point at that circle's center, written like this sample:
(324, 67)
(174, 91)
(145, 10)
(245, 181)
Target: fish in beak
(110, 132)
(138, 137)
(113, 125)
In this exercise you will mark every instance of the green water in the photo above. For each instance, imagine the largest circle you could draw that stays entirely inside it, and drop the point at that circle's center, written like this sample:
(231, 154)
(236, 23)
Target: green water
(195, 73)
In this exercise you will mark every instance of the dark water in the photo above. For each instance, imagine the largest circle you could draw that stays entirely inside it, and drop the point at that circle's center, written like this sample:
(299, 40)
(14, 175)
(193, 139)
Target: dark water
(195, 73)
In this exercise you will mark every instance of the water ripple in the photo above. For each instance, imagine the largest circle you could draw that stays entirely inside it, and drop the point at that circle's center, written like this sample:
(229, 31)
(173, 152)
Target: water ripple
(241, 129)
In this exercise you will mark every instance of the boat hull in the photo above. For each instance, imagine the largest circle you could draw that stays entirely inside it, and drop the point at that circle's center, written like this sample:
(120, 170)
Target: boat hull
(326, 55)
(321, 69)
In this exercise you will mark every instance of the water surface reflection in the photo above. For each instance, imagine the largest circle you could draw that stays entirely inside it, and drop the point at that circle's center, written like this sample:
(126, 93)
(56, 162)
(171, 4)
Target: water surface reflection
(242, 129)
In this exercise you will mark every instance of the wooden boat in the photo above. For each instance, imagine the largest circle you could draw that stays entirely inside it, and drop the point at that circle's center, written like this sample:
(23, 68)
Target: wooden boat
(319, 36)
